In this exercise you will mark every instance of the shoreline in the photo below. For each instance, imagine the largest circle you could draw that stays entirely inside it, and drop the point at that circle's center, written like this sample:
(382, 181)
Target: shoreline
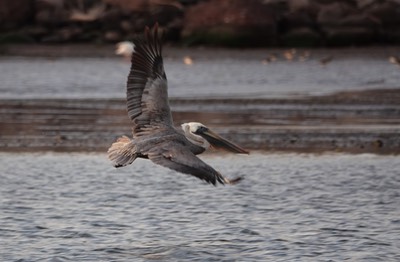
(351, 122)
(88, 50)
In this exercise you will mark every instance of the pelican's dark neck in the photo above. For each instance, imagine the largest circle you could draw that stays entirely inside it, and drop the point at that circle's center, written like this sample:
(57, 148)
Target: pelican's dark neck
(196, 149)
(196, 139)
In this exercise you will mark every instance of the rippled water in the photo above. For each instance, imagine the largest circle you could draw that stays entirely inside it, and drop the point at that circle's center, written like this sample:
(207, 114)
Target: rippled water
(76, 207)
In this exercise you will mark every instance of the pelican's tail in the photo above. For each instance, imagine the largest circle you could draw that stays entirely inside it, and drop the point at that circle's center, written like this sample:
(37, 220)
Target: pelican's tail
(122, 152)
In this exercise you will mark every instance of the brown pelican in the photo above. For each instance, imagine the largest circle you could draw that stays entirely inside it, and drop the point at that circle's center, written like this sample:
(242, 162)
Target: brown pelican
(154, 135)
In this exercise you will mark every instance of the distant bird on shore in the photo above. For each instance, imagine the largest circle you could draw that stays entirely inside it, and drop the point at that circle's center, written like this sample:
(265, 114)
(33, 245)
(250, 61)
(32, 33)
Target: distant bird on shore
(290, 54)
(124, 49)
(269, 59)
(326, 60)
(394, 60)
(304, 56)
(154, 136)
(187, 60)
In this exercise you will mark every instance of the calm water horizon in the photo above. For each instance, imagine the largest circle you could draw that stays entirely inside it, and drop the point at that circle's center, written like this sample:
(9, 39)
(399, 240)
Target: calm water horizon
(224, 73)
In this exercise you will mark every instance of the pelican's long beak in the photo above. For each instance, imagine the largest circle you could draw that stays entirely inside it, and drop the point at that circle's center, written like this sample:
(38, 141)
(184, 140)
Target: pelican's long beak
(219, 142)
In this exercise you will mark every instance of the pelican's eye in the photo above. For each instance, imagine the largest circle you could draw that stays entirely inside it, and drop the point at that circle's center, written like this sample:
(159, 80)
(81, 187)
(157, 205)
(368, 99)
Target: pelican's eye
(201, 130)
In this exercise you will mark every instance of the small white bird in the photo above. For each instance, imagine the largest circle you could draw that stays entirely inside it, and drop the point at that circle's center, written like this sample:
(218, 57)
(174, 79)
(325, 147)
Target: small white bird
(124, 49)
(394, 60)
(187, 60)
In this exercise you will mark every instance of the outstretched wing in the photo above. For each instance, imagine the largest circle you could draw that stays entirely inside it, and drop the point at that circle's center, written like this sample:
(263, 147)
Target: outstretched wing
(176, 156)
(147, 95)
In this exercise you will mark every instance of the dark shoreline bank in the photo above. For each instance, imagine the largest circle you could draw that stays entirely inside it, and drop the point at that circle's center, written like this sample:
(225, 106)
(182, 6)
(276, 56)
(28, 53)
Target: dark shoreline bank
(353, 122)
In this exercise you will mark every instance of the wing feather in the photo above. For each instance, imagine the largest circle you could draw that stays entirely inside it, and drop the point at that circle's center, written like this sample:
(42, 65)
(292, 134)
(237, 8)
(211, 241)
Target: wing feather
(147, 94)
(179, 158)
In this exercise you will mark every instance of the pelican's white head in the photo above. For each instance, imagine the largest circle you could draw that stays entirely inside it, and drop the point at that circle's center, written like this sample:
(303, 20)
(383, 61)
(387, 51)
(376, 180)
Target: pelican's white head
(191, 130)
(200, 135)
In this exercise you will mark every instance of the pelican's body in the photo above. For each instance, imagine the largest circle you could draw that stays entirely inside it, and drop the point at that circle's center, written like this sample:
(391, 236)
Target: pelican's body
(154, 135)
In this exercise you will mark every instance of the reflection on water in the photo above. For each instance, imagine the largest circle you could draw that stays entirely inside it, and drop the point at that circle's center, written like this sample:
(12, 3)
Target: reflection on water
(76, 207)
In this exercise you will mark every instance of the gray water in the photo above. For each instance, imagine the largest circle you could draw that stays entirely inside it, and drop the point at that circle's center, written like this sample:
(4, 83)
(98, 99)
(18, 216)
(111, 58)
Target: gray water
(289, 207)
(214, 73)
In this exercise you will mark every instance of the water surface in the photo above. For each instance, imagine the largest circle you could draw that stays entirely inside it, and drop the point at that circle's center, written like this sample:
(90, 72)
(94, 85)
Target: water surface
(289, 207)
(214, 73)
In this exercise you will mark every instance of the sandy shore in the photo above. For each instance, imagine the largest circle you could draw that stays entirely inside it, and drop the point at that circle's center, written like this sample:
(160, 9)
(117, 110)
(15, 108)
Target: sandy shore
(359, 122)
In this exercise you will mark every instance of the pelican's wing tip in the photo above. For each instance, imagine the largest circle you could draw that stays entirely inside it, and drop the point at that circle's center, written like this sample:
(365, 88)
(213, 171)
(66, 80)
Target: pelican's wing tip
(233, 181)
(151, 31)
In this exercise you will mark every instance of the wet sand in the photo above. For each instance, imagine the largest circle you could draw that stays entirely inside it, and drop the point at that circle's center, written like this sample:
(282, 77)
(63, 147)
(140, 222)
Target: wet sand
(356, 122)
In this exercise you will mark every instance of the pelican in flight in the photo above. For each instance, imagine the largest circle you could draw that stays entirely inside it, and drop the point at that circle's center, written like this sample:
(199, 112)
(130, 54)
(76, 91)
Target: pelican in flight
(154, 135)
